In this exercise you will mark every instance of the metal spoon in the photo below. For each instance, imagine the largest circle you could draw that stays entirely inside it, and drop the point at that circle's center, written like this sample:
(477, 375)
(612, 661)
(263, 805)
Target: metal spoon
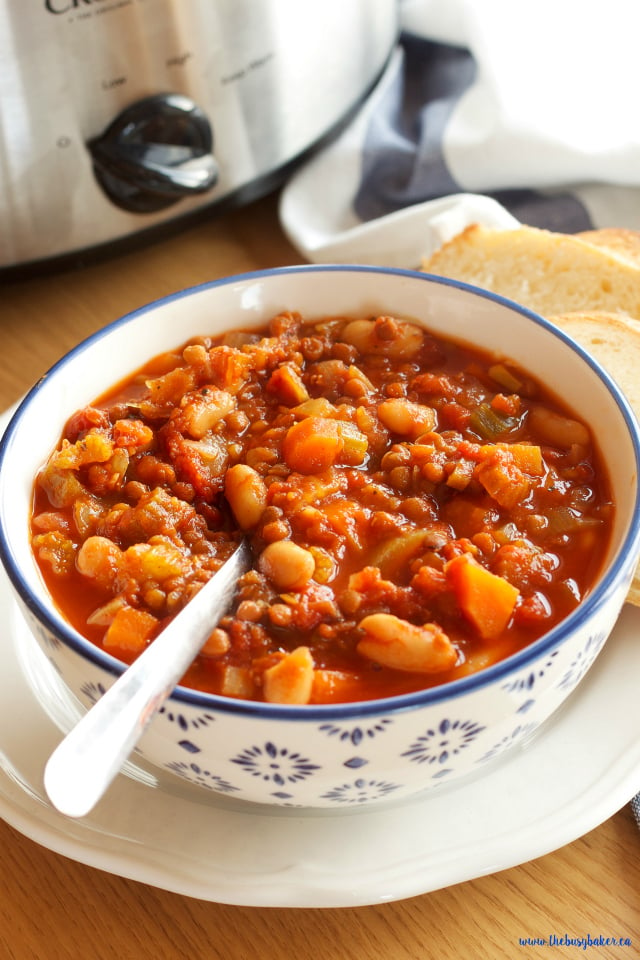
(83, 766)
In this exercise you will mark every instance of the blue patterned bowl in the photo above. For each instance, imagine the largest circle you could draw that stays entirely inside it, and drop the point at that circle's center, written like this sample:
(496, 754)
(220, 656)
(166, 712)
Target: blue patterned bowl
(332, 756)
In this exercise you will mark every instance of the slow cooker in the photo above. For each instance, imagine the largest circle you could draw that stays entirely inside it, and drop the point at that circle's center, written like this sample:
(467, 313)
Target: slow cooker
(120, 116)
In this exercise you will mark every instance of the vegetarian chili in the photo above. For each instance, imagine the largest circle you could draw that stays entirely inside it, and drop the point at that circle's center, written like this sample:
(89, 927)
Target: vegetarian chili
(417, 509)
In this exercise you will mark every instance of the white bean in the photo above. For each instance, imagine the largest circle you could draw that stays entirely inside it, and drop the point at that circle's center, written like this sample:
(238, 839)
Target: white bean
(371, 336)
(558, 430)
(406, 418)
(288, 566)
(246, 493)
(401, 645)
(291, 679)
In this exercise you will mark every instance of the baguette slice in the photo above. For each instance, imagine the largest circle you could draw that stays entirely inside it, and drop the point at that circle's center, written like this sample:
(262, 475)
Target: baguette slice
(550, 273)
(617, 240)
(614, 341)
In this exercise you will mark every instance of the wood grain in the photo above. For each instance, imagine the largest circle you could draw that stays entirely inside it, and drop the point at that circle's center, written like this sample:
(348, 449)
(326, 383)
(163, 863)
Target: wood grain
(52, 908)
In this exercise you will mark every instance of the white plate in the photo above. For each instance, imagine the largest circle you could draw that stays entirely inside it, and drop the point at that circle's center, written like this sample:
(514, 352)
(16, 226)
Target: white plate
(579, 770)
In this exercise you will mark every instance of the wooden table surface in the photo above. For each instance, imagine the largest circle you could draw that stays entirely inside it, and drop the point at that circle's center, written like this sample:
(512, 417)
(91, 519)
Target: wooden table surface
(53, 908)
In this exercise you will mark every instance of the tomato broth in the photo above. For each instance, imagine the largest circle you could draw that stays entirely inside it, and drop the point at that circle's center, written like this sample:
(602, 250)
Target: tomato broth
(417, 509)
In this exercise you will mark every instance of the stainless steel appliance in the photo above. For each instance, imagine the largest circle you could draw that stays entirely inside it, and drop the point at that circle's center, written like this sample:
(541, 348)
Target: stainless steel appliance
(119, 116)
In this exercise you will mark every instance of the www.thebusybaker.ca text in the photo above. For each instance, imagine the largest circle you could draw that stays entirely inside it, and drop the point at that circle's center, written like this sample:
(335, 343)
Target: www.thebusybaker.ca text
(566, 941)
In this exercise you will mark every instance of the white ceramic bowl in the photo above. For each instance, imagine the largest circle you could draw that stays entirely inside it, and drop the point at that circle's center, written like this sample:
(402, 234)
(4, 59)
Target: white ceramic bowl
(332, 756)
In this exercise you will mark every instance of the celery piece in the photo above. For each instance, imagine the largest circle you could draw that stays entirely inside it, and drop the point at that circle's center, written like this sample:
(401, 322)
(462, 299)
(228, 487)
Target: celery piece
(489, 424)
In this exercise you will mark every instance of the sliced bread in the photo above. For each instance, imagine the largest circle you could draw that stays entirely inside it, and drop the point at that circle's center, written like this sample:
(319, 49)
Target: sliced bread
(551, 273)
(620, 241)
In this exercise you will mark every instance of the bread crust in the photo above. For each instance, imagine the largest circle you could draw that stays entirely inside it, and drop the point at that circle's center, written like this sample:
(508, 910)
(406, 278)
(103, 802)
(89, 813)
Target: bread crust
(617, 240)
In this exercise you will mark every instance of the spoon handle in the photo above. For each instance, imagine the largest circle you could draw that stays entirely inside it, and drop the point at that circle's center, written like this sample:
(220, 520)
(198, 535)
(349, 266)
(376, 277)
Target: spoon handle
(89, 758)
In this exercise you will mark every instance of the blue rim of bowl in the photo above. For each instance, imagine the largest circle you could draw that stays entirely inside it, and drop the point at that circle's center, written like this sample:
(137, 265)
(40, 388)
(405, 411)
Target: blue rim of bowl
(610, 582)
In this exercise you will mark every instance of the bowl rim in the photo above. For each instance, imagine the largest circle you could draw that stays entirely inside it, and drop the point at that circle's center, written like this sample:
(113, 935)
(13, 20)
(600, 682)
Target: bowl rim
(606, 586)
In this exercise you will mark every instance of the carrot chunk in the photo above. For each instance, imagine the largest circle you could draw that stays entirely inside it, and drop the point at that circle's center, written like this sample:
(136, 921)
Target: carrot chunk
(130, 629)
(312, 445)
(527, 456)
(336, 686)
(486, 599)
(286, 383)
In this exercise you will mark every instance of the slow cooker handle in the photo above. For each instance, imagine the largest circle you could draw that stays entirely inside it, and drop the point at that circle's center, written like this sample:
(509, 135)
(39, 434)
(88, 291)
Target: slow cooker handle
(155, 152)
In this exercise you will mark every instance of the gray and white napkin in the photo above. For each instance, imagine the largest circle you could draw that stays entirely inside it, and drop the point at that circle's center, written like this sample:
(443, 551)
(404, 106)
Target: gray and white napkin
(489, 111)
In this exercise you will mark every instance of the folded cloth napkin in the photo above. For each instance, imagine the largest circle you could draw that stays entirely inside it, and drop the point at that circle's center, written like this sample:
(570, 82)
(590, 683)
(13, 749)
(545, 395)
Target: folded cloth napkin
(487, 112)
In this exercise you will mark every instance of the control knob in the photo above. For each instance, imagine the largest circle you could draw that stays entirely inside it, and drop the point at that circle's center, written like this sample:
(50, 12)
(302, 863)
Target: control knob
(155, 152)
